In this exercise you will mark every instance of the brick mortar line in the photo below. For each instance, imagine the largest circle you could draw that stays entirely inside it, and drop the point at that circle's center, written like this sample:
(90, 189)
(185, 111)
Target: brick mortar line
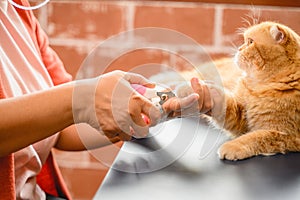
(129, 20)
(250, 7)
(130, 16)
(218, 24)
(177, 4)
(146, 3)
(88, 44)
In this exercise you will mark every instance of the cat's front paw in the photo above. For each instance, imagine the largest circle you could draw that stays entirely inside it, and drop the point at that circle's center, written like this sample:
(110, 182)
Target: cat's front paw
(233, 150)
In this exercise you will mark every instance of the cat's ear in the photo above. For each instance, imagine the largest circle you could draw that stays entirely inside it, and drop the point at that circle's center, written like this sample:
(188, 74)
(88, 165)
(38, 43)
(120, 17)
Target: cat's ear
(277, 34)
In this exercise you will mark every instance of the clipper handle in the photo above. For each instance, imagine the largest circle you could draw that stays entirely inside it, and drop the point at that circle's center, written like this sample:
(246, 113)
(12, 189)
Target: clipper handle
(145, 92)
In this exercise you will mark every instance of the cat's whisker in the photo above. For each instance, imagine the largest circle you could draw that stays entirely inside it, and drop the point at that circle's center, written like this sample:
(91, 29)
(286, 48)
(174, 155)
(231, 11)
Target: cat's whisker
(232, 55)
(254, 15)
(257, 16)
(241, 30)
(246, 21)
(233, 46)
(233, 49)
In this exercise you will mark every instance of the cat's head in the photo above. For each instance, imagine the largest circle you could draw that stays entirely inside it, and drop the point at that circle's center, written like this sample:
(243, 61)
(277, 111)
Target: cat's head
(268, 49)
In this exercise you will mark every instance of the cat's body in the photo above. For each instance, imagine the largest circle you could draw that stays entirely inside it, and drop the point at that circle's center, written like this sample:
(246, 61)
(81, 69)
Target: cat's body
(263, 104)
(265, 121)
(263, 111)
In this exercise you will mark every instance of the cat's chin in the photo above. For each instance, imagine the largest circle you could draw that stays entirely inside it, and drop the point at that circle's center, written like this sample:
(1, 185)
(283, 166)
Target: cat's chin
(236, 58)
(240, 61)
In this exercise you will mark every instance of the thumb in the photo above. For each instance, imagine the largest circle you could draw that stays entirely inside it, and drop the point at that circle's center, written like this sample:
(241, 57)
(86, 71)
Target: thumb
(138, 79)
(177, 104)
(150, 111)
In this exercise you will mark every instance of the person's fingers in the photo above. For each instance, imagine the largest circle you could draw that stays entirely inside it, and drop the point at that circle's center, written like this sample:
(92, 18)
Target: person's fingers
(205, 102)
(138, 79)
(139, 105)
(208, 102)
(176, 104)
(140, 131)
(197, 87)
(135, 110)
(151, 112)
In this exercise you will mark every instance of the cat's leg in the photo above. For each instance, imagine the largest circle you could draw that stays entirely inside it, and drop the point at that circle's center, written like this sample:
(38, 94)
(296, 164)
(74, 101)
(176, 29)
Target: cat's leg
(260, 142)
(235, 118)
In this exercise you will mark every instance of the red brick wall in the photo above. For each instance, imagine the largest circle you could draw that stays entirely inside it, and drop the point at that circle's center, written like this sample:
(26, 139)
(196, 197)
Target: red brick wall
(76, 27)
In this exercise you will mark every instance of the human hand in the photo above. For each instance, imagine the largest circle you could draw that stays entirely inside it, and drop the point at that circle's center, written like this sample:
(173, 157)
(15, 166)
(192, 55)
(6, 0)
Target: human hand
(180, 106)
(211, 97)
(111, 105)
(164, 98)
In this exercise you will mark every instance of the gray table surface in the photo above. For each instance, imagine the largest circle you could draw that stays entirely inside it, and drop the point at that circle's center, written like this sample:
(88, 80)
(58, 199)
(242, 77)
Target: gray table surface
(179, 161)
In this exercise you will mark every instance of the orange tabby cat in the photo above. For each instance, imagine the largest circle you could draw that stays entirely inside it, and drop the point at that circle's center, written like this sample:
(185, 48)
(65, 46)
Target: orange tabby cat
(263, 112)
(263, 103)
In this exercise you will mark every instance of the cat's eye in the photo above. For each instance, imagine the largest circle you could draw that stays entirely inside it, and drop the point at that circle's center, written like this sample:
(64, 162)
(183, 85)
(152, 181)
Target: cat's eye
(249, 41)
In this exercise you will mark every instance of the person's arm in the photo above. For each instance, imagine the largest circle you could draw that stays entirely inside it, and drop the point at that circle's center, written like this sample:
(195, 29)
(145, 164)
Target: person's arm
(107, 103)
(30, 118)
(82, 137)
(33, 117)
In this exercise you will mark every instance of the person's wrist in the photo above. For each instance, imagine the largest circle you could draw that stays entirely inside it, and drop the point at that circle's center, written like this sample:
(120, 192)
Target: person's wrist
(83, 101)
